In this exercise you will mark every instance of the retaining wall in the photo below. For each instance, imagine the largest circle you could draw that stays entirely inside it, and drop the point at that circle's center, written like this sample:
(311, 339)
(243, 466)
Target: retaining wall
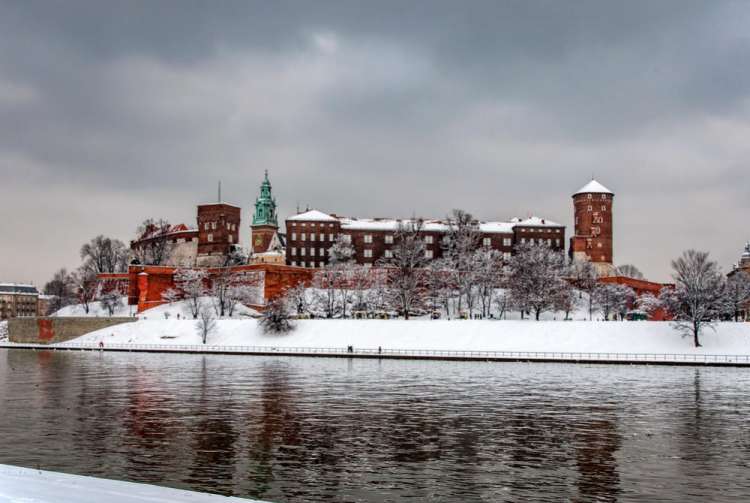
(50, 330)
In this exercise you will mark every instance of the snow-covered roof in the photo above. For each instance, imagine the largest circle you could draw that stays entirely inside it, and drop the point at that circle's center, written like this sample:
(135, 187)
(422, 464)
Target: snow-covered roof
(18, 288)
(534, 221)
(593, 187)
(496, 227)
(223, 203)
(313, 216)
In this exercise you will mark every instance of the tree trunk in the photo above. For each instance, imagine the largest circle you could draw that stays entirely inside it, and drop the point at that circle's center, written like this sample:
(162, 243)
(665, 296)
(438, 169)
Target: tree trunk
(537, 313)
(696, 330)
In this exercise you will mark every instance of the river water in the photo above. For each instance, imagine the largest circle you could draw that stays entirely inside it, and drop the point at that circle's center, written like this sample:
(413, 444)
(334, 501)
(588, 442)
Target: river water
(325, 429)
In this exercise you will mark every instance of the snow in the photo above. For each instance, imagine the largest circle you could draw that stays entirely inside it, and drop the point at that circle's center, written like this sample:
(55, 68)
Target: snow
(535, 221)
(25, 485)
(3, 331)
(496, 227)
(593, 187)
(163, 311)
(446, 335)
(313, 216)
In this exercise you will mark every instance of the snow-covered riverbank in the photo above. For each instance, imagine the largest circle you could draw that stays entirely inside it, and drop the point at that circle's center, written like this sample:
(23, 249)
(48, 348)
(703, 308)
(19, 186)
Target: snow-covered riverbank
(40, 486)
(456, 335)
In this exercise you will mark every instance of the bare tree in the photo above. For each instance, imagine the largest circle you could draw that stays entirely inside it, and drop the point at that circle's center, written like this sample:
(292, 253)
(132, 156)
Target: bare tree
(61, 288)
(325, 282)
(629, 271)
(738, 293)
(535, 277)
(297, 299)
(613, 299)
(440, 280)
(406, 278)
(86, 287)
(153, 246)
(110, 301)
(104, 255)
(566, 299)
(171, 295)
(206, 323)
(487, 266)
(584, 277)
(192, 283)
(699, 295)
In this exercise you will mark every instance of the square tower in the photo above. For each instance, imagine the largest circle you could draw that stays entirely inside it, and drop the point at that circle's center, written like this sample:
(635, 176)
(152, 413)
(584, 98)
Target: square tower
(218, 232)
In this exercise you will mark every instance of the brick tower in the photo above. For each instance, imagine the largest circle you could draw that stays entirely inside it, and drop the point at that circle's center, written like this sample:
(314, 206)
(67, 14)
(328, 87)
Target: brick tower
(218, 233)
(592, 237)
(265, 224)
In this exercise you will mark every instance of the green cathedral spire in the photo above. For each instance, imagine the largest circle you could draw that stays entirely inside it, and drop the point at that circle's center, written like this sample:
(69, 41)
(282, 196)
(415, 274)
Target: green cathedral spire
(265, 205)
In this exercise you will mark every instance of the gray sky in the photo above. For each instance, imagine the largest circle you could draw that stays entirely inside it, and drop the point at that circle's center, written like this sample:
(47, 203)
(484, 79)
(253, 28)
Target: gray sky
(111, 112)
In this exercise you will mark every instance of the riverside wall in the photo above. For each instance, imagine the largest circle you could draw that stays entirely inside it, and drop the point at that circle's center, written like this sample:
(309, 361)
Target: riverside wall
(50, 330)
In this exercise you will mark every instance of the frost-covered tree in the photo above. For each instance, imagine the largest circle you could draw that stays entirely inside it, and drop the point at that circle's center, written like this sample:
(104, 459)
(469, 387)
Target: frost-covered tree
(699, 295)
(405, 269)
(612, 299)
(110, 301)
(738, 293)
(297, 299)
(629, 271)
(277, 318)
(566, 299)
(535, 277)
(341, 251)
(440, 283)
(192, 283)
(222, 282)
(206, 324)
(236, 256)
(584, 277)
(459, 246)
(487, 267)
(649, 303)
(358, 279)
(243, 292)
(154, 247)
(103, 254)
(171, 295)
(325, 298)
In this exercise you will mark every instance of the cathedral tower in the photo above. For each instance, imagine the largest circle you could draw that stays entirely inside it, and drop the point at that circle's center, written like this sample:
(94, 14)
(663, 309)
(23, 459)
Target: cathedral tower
(592, 238)
(265, 226)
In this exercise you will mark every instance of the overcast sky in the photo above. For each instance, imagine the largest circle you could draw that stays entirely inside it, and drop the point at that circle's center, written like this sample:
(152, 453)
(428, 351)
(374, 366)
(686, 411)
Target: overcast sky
(111, 112)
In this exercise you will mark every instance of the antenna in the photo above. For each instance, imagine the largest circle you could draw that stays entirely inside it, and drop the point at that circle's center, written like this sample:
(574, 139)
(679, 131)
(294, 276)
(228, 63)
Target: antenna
(219, 190)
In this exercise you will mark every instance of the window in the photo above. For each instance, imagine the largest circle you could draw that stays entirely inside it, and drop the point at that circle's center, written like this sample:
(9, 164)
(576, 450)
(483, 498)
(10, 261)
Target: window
(428, 253)
(312, 252)
(294, 236)
(506, 255)
(590, 196)
(294, 251)
(213, 225)
(302, 236)
(210, 238)
(312, 236)
(367, 266)
(598, 245)
(230, 238)
(486, 242)
(302, 252)
(557, 242)
(388, 254)
(347, 238)
(549, 242)
(322, 252)
(368, 253)
(604, 197)
(294, 264)
(428, 240)
(389, 239)
(507, 242)
(604, 208)
(590, 208)
(321, 237)
(330, 237)
(523, 240)
(205, 226)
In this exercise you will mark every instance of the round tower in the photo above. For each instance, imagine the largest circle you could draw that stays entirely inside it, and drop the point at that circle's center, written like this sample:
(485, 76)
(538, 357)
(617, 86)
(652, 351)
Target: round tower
(592, 236)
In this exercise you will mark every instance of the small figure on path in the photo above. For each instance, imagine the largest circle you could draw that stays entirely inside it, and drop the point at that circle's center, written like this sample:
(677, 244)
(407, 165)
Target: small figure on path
(101, 345)
(380, 350)
(350, 349)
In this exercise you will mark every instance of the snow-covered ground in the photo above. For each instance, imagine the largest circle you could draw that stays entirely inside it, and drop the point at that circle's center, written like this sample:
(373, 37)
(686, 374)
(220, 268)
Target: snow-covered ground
(455, 335)
(3, 331)
(24, 485)
(163, 311)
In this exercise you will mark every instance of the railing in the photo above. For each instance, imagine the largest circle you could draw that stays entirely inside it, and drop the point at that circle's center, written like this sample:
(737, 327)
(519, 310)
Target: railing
(408, 353)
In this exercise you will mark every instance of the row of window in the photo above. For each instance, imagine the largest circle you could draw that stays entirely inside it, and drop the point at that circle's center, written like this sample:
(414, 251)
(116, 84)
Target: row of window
(210, 238)
(312, 225)
(212, 226)
(303, 237)
(549, 231)
(541, 241)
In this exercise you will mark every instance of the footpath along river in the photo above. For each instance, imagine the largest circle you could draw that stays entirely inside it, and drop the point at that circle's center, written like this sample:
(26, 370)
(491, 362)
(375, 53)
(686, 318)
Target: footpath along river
(328, 429)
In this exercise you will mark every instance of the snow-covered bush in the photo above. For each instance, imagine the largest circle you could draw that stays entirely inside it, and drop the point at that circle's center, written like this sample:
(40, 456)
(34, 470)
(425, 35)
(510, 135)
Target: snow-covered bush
(3, 331)
(277, 318)
(206, 323)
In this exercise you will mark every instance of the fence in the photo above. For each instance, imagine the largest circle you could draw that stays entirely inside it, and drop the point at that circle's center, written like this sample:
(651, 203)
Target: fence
(436, 354)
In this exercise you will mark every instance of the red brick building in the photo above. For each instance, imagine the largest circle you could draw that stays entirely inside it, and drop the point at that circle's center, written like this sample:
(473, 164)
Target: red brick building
(311, 234)
(218, 232)
(593, 231)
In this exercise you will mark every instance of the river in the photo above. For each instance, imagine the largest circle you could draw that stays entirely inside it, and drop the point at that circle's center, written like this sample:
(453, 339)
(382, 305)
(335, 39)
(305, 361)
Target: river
(289, 429)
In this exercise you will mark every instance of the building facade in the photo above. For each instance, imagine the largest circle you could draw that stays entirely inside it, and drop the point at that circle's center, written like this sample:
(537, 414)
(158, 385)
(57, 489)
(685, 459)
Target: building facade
(18, 301)
(593, 230)
(218, 233)
(311, 234)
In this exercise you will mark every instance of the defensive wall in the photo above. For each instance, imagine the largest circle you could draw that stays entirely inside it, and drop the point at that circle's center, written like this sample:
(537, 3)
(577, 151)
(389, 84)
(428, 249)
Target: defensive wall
(50, 330)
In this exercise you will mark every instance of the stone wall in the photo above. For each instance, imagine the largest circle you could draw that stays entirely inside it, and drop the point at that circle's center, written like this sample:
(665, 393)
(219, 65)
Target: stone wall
(52, 330)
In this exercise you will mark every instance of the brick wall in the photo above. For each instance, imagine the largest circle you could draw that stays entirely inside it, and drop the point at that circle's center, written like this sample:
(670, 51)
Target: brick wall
(52, 330)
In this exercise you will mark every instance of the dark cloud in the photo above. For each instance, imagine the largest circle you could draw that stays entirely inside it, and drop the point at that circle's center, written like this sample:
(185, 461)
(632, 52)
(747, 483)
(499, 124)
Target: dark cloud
(114, 111)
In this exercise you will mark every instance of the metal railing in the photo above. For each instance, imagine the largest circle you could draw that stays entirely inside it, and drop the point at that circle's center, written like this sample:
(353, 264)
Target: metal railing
(408, 353)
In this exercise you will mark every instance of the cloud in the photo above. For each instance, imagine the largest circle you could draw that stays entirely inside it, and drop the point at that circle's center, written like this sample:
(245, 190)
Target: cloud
(111, 113)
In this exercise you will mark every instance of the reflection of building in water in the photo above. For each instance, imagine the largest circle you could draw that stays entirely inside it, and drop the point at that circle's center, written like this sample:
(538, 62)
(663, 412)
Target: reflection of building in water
(597, 440)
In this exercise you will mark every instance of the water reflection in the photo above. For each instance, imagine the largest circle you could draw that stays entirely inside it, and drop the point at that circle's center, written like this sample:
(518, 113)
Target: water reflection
(344, 430)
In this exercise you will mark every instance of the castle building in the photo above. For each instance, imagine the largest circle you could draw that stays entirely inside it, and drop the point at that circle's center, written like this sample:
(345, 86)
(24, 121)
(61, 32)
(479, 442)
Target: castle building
(218, 233)
(311, 234)
(266, 242)
(592, 238)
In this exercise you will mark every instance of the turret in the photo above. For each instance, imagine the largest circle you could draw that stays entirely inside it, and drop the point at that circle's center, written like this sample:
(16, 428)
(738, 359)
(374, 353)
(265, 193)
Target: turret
(593, 230)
